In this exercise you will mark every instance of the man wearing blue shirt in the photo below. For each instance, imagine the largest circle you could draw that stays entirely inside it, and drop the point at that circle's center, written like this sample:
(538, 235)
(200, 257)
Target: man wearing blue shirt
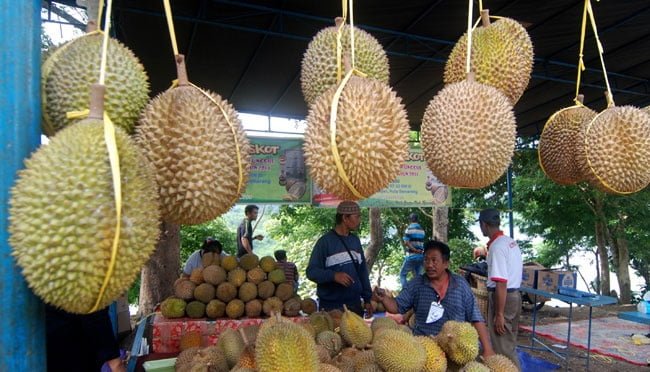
(440, 290)
(413, 245)
(338, 266)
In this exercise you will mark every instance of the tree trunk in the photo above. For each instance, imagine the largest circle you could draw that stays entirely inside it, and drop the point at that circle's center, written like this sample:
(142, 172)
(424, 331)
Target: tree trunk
(440, 223)
(162, 269)
(623, 264)
(376, 237)
(604, 259)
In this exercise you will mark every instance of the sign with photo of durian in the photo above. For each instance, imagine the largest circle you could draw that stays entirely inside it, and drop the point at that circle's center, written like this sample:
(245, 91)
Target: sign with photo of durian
(277, 172)
(415, 186)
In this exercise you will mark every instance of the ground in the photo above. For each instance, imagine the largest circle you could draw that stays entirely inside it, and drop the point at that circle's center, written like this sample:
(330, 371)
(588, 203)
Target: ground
(598, 363)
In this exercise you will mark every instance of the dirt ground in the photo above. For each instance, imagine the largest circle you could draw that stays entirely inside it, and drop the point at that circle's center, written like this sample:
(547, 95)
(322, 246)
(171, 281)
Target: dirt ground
(597, 363)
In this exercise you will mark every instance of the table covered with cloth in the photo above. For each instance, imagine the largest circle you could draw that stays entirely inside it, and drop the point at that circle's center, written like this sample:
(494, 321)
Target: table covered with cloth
(167, 333)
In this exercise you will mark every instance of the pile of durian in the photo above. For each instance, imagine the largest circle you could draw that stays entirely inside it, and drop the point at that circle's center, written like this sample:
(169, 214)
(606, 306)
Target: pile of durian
(228, 287)
(339, 341)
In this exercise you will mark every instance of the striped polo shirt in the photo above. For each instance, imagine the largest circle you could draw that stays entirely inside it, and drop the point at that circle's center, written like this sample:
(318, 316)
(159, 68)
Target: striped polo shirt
(415, 234)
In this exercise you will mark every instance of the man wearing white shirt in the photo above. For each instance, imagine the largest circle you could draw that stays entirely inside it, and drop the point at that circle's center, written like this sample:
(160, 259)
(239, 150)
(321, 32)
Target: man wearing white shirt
(504, 278)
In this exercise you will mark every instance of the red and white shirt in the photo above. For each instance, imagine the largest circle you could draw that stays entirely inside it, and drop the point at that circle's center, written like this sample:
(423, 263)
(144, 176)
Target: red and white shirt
(504, 261)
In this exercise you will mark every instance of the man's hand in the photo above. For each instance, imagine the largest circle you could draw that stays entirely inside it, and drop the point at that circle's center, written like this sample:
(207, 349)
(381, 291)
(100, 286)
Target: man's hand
(378, 294)
(258, 237)
(343, 279)
(369, 311)
(500, 324)
(487, 352)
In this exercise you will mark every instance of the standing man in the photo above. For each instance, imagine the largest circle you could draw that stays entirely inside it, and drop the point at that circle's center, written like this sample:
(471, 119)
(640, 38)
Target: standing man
(413, 245)
(338, 266)
(245, 231)
(504, 278)
(290, 269)
(437, 296)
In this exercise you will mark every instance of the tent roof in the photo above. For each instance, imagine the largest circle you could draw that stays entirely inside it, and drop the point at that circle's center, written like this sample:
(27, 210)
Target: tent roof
(250, 51)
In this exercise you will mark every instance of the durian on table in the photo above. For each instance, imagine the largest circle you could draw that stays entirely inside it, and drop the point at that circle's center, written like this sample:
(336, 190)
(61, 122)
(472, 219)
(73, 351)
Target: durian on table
(62, 219)
(72, 67)
(198, 148)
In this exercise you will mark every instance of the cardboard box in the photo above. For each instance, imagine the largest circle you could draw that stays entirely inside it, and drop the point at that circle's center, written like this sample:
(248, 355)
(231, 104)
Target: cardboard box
(550, 280)
(529, 274)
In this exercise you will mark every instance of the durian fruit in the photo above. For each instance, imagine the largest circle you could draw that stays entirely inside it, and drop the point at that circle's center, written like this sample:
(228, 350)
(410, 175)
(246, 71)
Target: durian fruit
(500, 363)
(335, 315)
(247, 291)
(231, 344)
(365, 359)
(210, 258)
(235, 309)
(237, 277)
(284, 291)
(436, 359)
(214, 274)
(474, 366)
(226, 291)
(385, 348)
(354, 329)
(173, 307)
(66, 190)
(617, 148)
(291, 307)
(272, 305)
(559, 144)
(331, 341)
(383, 322)
(321, 321)
(184, 359)
(70, 70)
(247, 356)
(256, 275)
(283, 346)
(372, 133)
(204, 292)
(468, 134)
(215, 309)
(209, 359)
(277, 276)
(190, 339)
(502, 57)
(323, 354)
(195, 309)
(265, 289)
(459, 341)
(199, 150)
(308, 306)
(268, 264)
(253, 308)
(196, 276)
(319, 64)
(229, 263)
(249, 261)
(184, 288)
(325, 367)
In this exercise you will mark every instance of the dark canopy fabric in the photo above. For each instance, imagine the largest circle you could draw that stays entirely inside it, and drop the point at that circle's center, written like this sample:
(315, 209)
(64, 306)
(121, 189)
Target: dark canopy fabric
(250, 51)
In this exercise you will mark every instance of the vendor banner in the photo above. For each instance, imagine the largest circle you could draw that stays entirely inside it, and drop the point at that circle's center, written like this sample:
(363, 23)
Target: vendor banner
(277, 172)
(415, 186)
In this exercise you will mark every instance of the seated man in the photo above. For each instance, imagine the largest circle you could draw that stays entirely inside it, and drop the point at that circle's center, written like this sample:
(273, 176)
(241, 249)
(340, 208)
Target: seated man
(437, 296)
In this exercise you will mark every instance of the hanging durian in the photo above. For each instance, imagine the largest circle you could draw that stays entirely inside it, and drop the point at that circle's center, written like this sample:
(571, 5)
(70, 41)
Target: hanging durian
(198, 149)
(319, 64)
(62, 217)
(617, 149)
(468, 134)
(371, 137)
(502, 57)
(560, 144)
(72, 67)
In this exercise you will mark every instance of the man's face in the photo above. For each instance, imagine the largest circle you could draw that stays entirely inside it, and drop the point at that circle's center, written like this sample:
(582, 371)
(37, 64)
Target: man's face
(483, 226)
(352, 221)
(434, 265)
(252, 215)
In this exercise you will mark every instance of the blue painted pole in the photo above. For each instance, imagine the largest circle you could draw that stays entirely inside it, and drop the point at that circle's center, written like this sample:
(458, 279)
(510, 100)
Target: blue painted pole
(22, 317)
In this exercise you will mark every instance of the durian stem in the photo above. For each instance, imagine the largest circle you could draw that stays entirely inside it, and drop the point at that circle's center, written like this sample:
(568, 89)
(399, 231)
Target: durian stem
(181, 70)
(485, 17)
(243, 335)
(94, 14)
(471, 76)
(338, 21)
(96, 109)
(580, 98)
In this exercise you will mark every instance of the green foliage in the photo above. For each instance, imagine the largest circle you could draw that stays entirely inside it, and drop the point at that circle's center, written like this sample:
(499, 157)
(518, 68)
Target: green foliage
(192, 237)
(461, 254)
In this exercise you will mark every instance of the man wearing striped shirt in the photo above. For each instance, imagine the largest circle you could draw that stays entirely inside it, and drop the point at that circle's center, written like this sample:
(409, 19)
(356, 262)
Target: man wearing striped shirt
(289, 268)
(413, 245)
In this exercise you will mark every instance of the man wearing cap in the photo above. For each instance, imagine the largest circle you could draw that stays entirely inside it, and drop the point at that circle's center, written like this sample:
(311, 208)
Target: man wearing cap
(504, 278)
(413, 241)
(338, 266)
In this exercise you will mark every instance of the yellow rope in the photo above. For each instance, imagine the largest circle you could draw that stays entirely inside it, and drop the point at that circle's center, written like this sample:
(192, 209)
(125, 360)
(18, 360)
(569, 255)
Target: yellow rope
(100, 7)
(170, 25)
(581, 64)
(480, 6)
(592, 19)
(333, 145)
(469, 37)
(339, 44)
(352, 32)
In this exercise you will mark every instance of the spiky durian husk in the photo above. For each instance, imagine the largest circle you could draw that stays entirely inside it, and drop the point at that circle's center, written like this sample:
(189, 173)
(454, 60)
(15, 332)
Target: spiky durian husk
(436, 360)
(474, 366)
(459, 341)
(62, 218)
(193, 150)
(319, 69)
(468, 134)
(283, 346)
(500, 363)
(371, 136)
(354, 330)
(386, 355)
(560, 144)
(617, 149)
(70, 70)
(502, 57)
